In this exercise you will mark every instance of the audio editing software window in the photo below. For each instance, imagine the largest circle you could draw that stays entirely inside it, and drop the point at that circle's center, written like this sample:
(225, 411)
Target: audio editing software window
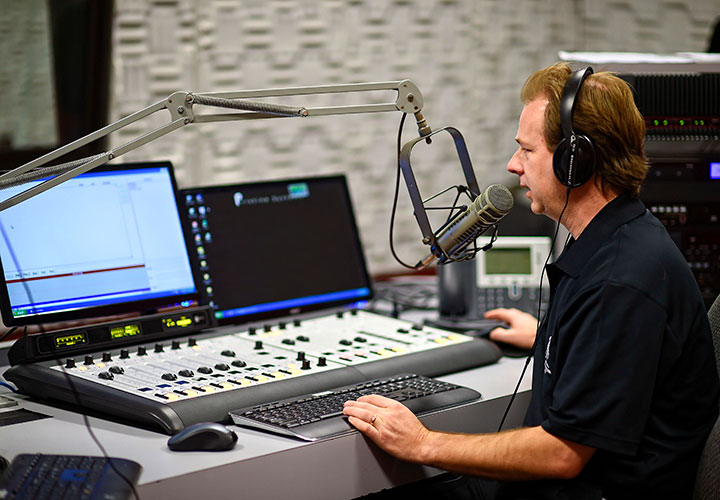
(272, 248)
(100, 239)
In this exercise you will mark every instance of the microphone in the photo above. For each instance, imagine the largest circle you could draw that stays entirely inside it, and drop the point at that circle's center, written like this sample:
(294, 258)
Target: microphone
(487, 209)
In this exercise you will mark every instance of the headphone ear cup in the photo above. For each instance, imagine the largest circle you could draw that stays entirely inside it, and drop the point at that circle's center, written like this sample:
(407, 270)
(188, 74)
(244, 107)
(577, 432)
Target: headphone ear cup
(577, 172)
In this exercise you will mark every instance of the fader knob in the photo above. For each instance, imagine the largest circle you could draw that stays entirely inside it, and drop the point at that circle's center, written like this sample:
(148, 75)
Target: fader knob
(117, 370)
(239, 363)
(186, 373)
(222, 366)
(228, 353)
(205, 369)
(169, 376)
(106, 375)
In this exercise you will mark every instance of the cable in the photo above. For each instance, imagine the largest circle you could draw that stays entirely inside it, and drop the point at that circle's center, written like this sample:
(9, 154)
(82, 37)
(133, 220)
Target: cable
(537, 328)
(395, 197)
(8, 333)
(86, 421)
(68, 378)
(12, 389)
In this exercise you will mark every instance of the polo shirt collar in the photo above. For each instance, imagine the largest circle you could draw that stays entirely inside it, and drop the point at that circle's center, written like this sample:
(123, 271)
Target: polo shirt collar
(613, 215)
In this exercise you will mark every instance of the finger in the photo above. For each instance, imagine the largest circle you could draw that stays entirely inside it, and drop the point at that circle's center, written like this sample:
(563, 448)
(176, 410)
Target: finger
(501, 334)
(361, 413)
(364, 427)
(377, 400)
(361, 404)
(501, 314)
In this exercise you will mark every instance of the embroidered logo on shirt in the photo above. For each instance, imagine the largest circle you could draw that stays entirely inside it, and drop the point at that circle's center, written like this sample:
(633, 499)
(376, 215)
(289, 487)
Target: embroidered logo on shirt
(546, 366)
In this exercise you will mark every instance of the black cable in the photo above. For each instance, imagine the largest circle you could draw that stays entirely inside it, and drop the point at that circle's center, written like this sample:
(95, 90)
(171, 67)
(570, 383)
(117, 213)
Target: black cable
(537, 328)
(86, 421)
(8, 333)
(395, 198)
(68, 378)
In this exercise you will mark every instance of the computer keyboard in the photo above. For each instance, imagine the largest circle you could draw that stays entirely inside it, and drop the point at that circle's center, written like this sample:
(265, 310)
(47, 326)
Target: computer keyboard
(38, 476)
(319, 416)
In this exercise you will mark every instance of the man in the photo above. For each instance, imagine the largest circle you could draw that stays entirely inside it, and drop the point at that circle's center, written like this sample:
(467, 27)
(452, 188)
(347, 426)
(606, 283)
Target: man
(625, 388)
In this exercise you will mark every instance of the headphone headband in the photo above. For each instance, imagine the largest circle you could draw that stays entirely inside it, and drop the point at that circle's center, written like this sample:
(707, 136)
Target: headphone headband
(569, 98)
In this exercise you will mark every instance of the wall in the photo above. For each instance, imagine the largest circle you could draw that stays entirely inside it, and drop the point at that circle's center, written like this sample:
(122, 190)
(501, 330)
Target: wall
(468, 57)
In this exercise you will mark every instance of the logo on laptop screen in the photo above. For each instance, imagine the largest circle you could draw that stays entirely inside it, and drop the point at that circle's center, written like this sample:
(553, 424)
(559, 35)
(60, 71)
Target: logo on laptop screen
(238, 198)
(298, 190)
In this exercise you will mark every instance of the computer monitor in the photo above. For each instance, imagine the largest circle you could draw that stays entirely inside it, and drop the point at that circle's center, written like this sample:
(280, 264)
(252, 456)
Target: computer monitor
(270, 249)
(108, 241)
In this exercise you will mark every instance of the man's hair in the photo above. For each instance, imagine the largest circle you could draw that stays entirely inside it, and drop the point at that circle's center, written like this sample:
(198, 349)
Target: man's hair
(605, 111)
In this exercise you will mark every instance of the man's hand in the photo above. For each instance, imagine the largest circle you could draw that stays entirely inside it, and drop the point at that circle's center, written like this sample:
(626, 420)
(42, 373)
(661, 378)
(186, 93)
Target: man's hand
(390, 425)
(521, 327)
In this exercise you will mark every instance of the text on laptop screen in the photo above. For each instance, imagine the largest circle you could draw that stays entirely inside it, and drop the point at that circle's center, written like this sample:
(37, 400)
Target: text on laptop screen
(106, 241)
(272, 248)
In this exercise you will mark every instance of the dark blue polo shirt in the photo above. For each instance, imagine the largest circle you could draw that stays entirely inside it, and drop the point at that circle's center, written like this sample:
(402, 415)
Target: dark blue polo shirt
(624, 360)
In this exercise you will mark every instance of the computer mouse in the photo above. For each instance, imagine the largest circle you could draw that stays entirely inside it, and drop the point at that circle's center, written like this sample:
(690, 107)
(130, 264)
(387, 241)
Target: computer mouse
(205, 436)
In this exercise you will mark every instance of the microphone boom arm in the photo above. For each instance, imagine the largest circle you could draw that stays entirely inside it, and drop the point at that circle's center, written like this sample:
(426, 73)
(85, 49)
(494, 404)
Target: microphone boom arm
(180, 105)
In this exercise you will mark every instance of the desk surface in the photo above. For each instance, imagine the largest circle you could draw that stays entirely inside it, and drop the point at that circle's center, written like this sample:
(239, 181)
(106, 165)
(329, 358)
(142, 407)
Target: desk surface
(264, 465)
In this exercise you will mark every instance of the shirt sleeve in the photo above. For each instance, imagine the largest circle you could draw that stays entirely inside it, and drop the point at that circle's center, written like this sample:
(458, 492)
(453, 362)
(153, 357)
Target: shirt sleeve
(606, 357)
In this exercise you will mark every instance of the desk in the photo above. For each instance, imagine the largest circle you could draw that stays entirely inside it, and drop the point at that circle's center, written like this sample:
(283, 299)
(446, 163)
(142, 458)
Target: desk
(264, 466)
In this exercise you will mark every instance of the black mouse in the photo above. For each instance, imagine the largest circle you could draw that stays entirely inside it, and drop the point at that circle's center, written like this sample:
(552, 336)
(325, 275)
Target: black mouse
(205, 436)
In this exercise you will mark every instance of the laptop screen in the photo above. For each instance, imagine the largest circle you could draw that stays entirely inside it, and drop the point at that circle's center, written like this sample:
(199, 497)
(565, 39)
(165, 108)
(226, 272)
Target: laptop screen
(269, 249)
(105, 242)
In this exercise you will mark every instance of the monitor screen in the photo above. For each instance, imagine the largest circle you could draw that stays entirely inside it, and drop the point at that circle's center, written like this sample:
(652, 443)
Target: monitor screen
(105, 242)
(269, 249)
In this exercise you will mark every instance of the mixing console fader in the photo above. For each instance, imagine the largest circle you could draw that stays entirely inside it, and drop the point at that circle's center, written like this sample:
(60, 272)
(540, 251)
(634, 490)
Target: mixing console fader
(175, 382)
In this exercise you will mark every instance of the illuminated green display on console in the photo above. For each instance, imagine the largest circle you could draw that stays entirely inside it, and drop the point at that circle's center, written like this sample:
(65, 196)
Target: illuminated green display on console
(178, 322)
(70, 340)
(122, 331)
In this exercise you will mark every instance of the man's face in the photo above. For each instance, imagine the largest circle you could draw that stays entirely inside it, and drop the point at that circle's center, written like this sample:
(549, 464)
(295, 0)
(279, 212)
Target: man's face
(532, 162)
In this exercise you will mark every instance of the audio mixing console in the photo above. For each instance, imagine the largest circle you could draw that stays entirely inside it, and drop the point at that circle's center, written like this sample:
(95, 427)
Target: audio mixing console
(170, 383)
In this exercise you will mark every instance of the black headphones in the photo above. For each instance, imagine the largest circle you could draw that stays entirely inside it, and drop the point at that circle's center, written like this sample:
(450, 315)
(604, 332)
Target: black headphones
(574, 157)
